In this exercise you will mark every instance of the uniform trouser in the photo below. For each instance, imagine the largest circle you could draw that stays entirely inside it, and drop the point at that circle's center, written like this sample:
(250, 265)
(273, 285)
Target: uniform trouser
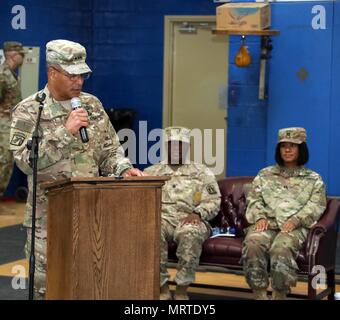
(189, 239)
(281, 249)
(40, 264)
(6, 161)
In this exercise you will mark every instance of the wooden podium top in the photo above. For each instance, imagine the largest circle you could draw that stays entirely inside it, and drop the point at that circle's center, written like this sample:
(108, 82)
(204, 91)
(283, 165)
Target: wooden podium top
(149, 180)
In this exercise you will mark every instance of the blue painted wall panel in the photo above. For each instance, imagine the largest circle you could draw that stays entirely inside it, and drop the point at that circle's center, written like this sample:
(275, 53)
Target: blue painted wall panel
(293, 102)
(246, 163)
(46, 21)
(249, 75)
(334, 119)
(246, 113)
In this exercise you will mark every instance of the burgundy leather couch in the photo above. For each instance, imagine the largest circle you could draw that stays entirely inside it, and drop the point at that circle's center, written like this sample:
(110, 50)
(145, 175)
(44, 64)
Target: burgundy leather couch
(225, 252)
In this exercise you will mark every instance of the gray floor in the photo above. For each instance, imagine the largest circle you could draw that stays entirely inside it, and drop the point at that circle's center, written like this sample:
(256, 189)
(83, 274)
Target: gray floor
(7, 292)
(12, 241)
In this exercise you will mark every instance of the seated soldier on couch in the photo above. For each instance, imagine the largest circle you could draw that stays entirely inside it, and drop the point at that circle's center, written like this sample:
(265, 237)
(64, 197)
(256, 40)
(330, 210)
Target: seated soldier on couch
(286, 200)
(189, 200)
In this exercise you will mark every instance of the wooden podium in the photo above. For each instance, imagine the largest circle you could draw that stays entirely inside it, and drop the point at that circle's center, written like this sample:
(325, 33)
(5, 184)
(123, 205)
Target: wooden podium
(103, 238)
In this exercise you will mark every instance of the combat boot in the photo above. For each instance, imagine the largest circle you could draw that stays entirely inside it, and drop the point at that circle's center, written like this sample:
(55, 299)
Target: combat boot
(279, 295)
(181, 293)
(165, 293)
(260, 294)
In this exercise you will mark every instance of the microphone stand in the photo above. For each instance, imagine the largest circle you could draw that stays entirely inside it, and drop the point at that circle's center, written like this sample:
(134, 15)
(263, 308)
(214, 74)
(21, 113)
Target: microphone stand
(33, 146)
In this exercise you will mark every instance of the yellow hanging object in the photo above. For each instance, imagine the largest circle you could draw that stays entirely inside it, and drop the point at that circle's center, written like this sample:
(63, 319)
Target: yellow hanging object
(243, 58)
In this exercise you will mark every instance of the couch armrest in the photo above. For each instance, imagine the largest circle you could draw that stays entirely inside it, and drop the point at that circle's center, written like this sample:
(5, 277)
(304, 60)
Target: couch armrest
(322, 237)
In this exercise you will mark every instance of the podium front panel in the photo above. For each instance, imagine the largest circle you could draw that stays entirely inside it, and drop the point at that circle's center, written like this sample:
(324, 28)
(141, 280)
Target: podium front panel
(103, 241)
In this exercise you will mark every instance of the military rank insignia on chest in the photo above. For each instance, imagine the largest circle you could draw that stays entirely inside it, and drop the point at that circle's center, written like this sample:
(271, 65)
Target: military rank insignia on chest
(197, 197)
(211, 189)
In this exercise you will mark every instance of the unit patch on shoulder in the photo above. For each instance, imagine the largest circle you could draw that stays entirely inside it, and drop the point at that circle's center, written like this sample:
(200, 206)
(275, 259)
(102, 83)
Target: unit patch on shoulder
(23, 125)
(18, 139)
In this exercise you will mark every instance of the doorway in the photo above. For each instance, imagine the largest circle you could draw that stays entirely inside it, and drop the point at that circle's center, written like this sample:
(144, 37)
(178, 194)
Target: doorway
(195, 84)
(29, 72)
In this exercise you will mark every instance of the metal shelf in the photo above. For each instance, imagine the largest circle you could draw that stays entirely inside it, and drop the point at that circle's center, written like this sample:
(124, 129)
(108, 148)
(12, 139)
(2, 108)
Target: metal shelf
(269, 32)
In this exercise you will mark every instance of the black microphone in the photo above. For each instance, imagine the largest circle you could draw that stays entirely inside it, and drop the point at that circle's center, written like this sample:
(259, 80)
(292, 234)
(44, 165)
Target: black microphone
(76, 104)
(40, 97)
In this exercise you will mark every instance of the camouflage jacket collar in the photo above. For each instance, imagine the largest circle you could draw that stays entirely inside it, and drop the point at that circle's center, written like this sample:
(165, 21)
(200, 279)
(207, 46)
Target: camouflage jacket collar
(290, 172)
(52, 107)
(183, 170)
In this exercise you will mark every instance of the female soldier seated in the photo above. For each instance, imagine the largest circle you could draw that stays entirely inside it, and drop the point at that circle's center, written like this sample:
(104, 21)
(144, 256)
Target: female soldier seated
(285, 201)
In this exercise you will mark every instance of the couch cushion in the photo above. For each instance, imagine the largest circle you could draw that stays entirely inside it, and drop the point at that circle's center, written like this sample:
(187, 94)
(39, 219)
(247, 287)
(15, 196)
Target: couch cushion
(216, 251)
(223, 246)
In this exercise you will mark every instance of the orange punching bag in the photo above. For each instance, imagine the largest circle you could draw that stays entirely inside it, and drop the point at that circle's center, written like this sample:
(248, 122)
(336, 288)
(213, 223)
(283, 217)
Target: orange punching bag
(243, 58)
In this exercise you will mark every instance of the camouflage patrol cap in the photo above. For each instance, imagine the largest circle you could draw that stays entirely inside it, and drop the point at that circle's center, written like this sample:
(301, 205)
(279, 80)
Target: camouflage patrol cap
(294, 135)
(177, 134)
(14, 46)
(69, 55)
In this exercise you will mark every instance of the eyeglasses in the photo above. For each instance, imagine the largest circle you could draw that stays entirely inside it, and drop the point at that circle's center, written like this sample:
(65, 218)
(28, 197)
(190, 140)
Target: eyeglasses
(73, 77)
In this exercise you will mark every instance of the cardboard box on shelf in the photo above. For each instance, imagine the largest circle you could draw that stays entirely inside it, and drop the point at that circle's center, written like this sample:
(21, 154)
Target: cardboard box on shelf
(243, 16)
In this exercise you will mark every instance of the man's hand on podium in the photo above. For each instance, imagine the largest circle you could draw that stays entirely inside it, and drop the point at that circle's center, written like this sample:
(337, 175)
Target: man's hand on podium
(133, 172)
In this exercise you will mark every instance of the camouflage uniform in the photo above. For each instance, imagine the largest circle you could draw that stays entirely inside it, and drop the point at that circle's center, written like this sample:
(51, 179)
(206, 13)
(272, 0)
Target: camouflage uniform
(279, 194)
(61, 155)
(10, 95)
(191, 189)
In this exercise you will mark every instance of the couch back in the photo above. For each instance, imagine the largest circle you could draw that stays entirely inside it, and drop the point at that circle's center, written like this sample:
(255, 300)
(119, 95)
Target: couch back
(233, 203)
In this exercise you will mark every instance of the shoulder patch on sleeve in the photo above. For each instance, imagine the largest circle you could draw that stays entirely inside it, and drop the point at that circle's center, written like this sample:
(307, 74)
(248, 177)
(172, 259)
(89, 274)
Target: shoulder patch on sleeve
(211, 189)
(18, 139)
(23, 125)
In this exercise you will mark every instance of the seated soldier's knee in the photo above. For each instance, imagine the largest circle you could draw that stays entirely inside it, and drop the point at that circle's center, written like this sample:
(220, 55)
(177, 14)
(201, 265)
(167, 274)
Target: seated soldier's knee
(191, 232)
(277, 251)
(251, 247)
(281, 248)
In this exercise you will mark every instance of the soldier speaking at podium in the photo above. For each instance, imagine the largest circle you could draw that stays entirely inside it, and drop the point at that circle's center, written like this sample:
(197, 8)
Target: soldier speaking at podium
(62, 151)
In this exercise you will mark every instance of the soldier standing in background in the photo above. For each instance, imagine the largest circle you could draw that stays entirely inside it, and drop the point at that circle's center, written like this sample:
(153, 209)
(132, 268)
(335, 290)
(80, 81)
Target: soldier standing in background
(62, 154)
(189, 200)
(10, 96)
(285, 201)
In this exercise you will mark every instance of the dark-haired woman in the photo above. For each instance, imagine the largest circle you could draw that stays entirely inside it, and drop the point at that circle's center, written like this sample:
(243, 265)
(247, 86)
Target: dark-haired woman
(284, 202)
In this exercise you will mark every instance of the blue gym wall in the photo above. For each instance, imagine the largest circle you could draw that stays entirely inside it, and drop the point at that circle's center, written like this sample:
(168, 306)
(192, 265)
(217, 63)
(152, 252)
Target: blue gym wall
(293, 102)
(247, 115)
(334, 116)
(124, 39)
